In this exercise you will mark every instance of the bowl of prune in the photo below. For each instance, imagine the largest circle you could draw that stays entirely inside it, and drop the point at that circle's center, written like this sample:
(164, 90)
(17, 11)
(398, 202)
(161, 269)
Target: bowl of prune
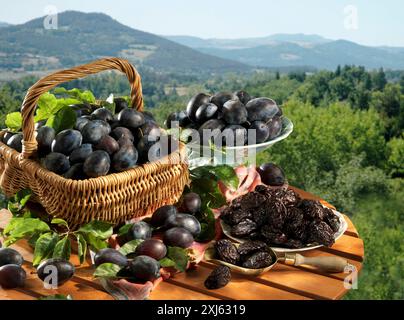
(230, 122)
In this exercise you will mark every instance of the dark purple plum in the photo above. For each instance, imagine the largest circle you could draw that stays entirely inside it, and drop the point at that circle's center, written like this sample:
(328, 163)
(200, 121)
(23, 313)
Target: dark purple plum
(184, 220)
(148, 129)
(206, 112)
(109, 255)
(56, 162)
(64, 270)
(97, 164)
(271, 174)
(7, 135)
(131, 118)
(120, 132)
(94, 131)
(179, 116)
(144, 268)
(81, 122)
(153, 248)
(143, 147)
(178, 237)
(12, 276)
(221, 98)
(160, 216)
(108, 144)
(261, 131)
(275, 127)
(80, 154)
(120, 104)
(66, 141)
(243, 96)
(10, 256)
(125, 158)
(195, 102)
(44, 138)
(102, 114)
(140, 230)
(234, 112)
(262, 109)
(191, 202)
(211, 130)
(15, 142)
(75, 172)
(234, 135)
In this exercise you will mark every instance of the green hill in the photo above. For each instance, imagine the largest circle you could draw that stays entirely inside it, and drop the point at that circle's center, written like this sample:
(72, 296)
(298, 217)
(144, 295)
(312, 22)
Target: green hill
(82, 37)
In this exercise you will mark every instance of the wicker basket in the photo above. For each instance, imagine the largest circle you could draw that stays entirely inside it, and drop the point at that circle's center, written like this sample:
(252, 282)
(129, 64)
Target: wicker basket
(114, 198)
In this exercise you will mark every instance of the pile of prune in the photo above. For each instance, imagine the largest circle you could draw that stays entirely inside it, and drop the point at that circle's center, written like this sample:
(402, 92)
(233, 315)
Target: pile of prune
(100, 142)
(252, 254)
(230, 116)
(279, 217)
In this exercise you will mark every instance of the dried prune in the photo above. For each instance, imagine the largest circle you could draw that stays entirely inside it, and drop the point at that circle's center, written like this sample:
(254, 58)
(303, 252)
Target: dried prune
(321, 233)
(295, 225)
(276, 213)
(331, 219)
(233, 217)
(250, 247)
(273, 236)
(293, 243)
(258, 260)
(227, 251)
(312, 209)
(252, 200)
(244, 228)
(260, 216)
(219, 277)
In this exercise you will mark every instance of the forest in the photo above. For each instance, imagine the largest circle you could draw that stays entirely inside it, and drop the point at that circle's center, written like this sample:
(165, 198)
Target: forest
(347, 145)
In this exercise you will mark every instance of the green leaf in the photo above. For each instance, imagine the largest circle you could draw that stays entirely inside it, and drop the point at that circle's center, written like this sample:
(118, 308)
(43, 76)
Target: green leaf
(14, 121)
(224, 173)
(209, 191)
(17, 202)
(60, 222)
(82, 96)
(179, 256)
(57, 297)
(44, 247)
(94, 242)
(107, 270)
(208, 224)
(47, 107)
(99, 229)
(81, 247)
(124, 229)
(22, 227)
(64, 119)
(33, 239)
(62, 249)
(167, 262)
(130, 246)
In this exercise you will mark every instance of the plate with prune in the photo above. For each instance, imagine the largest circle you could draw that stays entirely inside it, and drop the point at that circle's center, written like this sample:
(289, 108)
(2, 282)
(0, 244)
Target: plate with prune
(251, 257)
(281, 219)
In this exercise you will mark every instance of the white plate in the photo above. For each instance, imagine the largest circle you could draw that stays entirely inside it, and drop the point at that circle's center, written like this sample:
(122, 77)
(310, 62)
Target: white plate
(342, 228)
(233, 155)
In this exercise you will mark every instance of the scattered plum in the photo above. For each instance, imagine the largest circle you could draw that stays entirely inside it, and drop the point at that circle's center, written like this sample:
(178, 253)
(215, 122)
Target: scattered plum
(162, 214)
(153, 248)
(56, 162)
(12, 276)
(66, 141)
(178, 237)
(191, 202)
(125, 158)
(140, 230)
(149, 129)
(94, 131)
(120, 132)
(81, 154)
(10, 256)
(97, 164)
(57, 269)
(271, 174)
(186, 221)
(145, 268)
(109, 255)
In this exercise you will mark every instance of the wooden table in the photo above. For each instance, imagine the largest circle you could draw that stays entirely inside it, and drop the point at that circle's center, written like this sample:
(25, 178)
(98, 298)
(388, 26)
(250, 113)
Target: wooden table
(282, 282)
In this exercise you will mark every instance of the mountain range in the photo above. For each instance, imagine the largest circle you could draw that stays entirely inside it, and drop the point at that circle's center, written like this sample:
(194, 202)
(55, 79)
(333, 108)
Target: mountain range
(286, 50)
(83, 37)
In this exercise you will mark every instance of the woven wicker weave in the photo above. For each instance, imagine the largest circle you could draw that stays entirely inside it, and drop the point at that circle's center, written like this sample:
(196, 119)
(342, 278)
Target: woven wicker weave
(114, 198)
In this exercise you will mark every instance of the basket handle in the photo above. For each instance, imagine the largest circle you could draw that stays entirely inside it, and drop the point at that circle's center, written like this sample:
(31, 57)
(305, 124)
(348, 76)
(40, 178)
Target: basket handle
(29, 144)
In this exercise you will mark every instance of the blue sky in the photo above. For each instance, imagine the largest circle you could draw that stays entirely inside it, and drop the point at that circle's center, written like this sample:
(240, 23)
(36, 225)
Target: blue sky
(377, 23)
